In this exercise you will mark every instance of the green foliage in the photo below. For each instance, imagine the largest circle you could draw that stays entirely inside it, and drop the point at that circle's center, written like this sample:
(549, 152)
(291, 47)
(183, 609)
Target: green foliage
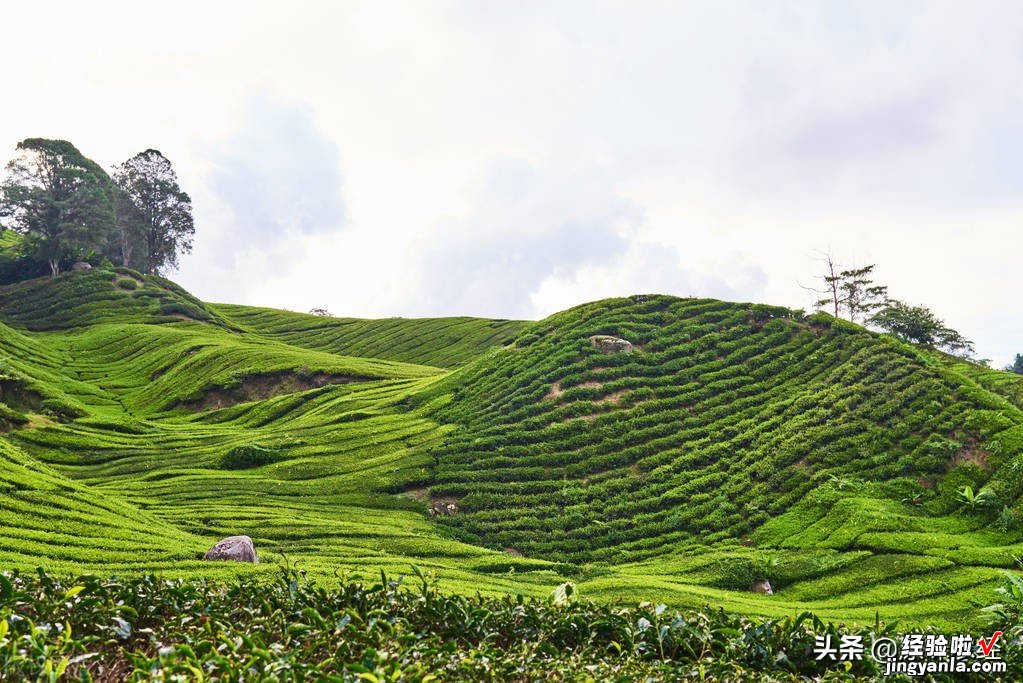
(158, 223)
(917, 324)
(723, 419)
(246, 456)
(441, 342)
(61, 201)
(975, 501)
(1006, 615)
(737, 441)
(293, 629)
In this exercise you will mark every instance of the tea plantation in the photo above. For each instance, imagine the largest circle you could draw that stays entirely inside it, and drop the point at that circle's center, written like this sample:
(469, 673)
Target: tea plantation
(869, 481)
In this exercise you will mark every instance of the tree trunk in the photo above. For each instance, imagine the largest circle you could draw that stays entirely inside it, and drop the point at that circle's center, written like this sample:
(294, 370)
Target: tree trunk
(54, 267)
(125, 248)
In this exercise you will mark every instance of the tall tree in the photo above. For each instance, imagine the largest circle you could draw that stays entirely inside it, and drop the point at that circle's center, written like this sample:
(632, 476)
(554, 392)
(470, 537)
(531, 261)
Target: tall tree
(1017, 365)
(832, 289)
(60, 200)
(124, 245)
(163, 223)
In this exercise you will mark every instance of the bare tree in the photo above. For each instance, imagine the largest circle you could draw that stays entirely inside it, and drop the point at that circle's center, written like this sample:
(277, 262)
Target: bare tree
(850, 290)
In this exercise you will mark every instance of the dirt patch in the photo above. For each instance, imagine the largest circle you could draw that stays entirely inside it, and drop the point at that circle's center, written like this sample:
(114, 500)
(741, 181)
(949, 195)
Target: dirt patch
(261, 387)
(590, 385)
(17, 397)
(420, 493)
(925, 482)
(555, 391)
(443, 505)
(971, 454)
(613, 398)
(513, 552)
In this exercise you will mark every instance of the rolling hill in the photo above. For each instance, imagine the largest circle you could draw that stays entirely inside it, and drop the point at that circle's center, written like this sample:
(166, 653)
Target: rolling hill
(735, 442)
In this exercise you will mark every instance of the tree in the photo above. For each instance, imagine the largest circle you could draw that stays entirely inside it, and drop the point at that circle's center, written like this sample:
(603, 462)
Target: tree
(125, 245)
(1017, 365)
(161, 222)
(850, 290)
(59, 199)
(860, 296)
(832, 287)
(977, 500)
(918, 325)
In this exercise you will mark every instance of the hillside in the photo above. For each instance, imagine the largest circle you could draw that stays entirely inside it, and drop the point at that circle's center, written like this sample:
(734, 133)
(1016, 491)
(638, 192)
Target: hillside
(724, 418)
(442, 342)
(737, 442)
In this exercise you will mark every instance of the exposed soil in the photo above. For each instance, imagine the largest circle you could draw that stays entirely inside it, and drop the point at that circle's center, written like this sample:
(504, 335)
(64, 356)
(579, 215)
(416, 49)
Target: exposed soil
(555, 391)
(613, 398)
(971, 454)
(420, 494)
(17, 397)
(443, 505)
(261, 387)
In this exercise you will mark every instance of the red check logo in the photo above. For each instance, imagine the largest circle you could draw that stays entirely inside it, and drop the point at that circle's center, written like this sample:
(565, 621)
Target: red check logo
(987, 645)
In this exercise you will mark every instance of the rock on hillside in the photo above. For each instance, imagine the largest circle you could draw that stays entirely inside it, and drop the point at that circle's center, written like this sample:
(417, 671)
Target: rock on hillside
(234, 549)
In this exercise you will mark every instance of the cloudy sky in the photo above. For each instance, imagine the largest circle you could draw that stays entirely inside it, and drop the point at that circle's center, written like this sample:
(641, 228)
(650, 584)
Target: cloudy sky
(514, 158)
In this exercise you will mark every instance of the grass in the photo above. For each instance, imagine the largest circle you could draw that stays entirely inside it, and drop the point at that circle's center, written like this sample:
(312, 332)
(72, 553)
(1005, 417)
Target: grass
(738, 442)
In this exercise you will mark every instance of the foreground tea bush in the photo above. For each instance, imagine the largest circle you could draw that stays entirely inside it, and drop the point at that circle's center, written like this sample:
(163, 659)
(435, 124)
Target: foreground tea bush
(292, 629)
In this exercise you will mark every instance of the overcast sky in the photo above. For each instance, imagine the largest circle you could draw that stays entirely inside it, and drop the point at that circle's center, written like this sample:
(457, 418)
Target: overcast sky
(513, 158)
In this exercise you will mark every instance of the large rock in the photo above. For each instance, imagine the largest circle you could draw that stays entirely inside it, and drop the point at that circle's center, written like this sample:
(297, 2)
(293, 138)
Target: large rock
(608, 344)
(234, 549)
(763, 586)
(81, 265)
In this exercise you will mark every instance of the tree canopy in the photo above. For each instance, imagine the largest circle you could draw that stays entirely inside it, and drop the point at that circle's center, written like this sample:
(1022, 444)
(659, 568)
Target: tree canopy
(157, 217)
(919, 325)
(66, 208)
(60, 200)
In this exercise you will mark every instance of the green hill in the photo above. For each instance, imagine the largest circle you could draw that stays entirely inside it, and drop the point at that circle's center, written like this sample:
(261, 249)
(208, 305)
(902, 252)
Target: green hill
(442, 342)
(725, 418)
(737, 442)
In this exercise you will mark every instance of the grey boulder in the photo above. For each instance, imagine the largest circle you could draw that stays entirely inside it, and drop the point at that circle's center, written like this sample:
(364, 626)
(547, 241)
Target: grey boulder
(608, 344)
(233, 549)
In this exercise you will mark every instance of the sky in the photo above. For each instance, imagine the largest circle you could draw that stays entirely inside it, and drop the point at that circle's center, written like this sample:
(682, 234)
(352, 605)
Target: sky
(511, 159)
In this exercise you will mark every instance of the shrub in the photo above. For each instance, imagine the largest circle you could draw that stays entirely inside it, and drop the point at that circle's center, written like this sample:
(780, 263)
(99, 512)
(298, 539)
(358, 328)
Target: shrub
(248, 456)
